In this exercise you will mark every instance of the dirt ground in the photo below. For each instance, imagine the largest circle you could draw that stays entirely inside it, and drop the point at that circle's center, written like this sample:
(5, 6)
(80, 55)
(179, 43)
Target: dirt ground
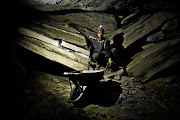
(45, 97)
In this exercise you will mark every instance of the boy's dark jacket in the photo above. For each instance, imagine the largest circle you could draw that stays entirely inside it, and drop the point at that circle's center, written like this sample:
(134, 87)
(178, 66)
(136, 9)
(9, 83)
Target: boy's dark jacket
(98, 47)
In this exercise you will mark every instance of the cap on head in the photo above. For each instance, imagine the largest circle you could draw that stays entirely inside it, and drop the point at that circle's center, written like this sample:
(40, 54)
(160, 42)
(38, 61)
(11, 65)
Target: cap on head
(100, 30)
(101, 26)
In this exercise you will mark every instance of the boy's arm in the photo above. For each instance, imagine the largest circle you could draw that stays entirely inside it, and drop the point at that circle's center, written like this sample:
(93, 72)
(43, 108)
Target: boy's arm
(107, 49)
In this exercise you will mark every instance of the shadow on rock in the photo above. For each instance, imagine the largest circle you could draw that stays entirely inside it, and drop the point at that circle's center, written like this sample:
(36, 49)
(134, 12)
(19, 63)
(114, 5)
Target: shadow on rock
(104, 94)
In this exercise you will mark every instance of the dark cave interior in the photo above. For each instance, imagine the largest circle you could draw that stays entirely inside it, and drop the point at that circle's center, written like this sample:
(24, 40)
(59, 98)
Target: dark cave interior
(21, 63)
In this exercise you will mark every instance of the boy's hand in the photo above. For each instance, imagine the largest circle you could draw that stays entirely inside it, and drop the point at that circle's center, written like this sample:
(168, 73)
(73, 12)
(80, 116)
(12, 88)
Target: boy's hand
(89, 61)
(109, 63)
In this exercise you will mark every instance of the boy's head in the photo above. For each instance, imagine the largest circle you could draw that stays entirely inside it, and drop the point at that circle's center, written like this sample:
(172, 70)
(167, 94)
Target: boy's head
(100, 32)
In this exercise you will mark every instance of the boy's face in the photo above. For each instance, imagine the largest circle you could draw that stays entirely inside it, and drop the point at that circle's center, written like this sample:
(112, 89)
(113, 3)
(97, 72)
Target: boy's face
(99, 34)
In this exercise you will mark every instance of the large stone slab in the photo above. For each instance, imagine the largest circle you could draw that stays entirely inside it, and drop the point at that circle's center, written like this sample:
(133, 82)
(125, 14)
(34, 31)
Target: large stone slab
(62, 55)
(144, 26)
(154, 59)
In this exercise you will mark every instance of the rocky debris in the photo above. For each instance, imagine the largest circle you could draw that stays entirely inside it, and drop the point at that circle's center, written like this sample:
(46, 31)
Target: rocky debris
(129, 87)
(134, 102)
(113, 75)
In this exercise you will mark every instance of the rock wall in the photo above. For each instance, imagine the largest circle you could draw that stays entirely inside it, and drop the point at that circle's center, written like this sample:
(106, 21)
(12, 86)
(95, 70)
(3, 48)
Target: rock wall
(160, 46)
(90, 5)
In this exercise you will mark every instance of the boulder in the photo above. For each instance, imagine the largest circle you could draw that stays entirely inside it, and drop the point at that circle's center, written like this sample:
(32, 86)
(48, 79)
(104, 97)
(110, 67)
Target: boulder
(155, 37)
